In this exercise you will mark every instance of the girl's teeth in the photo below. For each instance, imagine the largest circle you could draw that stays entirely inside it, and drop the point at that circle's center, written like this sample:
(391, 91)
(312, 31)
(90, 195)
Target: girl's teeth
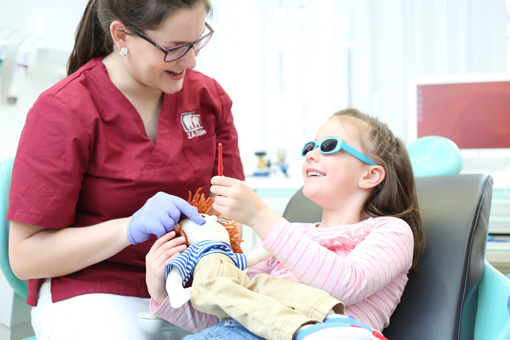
(313, 173)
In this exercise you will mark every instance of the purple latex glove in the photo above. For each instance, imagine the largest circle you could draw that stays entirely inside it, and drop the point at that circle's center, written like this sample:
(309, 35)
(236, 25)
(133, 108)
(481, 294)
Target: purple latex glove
(158, 216)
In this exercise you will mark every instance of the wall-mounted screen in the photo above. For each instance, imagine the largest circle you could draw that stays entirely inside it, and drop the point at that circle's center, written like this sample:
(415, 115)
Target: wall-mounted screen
(471, 110)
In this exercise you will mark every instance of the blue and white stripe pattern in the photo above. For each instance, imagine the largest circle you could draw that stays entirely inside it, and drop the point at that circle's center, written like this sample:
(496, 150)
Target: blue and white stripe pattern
(189, 258)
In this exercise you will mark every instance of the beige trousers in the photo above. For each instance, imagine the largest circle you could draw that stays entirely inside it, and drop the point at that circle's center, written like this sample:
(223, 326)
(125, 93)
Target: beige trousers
(269, 307)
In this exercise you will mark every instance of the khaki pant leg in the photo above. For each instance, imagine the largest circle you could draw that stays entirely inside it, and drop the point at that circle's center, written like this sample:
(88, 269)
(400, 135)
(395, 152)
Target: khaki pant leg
(312, 302)
(222, 289)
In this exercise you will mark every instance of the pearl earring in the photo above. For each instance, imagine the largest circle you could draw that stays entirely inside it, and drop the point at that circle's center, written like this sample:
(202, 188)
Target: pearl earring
(123, 51)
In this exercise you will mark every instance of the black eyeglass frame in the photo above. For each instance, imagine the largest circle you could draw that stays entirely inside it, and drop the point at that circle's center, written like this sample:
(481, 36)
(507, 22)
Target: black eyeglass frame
(208, 36)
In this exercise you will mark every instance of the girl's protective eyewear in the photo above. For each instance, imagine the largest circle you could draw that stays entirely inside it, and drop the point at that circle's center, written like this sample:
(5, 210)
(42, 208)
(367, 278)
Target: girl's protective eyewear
(332, 145)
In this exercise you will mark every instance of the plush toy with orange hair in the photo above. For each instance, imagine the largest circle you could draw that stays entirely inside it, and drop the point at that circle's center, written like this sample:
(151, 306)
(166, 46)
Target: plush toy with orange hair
(218, 237)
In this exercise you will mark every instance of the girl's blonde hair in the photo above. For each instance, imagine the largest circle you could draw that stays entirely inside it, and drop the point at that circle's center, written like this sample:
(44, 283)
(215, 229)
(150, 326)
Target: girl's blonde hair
(396, 195)
(204, 206)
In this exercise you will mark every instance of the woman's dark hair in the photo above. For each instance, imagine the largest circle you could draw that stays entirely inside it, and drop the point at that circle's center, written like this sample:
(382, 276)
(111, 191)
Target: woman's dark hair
(397, 194)
(93, 37)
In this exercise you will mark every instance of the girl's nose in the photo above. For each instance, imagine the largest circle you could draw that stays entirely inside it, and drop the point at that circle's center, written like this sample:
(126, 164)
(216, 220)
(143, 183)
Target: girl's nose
(313, 155)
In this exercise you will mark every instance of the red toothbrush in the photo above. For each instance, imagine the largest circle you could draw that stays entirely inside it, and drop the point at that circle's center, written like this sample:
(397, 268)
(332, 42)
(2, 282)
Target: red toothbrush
(220, 159)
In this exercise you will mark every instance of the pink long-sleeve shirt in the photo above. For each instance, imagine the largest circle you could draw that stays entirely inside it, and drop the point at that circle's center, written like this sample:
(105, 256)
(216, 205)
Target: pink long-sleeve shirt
(364, 265)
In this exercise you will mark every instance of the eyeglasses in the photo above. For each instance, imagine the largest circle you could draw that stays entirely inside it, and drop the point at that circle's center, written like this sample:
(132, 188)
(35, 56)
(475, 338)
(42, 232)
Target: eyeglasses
(332, 145)
(177, 52)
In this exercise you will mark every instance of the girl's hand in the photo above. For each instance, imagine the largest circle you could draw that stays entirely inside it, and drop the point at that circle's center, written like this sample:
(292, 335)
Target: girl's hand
(162, 252)
(236, 200)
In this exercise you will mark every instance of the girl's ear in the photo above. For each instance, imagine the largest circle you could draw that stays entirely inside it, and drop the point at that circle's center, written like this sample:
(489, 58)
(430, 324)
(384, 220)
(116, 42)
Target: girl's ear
(372, 177)
(119, 34)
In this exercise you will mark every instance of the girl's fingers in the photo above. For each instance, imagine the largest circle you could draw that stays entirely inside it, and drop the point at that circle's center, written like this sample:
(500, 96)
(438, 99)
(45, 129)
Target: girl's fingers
(165, 247)
(221, 200)
(222, 180)
(171, 258)
(172, 253)
(163, 239)
(223, 186)
(167, 241)
(219, 190)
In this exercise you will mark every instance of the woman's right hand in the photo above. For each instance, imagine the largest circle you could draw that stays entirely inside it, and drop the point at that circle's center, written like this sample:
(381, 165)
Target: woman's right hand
(158, 216)
(162, 252)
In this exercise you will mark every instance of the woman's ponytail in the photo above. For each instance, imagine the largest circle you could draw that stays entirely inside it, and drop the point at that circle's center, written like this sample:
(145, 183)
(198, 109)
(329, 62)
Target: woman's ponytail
(91, 39)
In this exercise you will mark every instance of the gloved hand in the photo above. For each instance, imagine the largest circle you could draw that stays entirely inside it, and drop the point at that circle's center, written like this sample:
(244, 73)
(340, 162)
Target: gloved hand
(158, 216)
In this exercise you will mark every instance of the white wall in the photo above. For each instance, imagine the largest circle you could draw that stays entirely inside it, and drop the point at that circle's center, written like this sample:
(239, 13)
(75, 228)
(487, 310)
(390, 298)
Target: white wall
(284, 64)
(40, 33)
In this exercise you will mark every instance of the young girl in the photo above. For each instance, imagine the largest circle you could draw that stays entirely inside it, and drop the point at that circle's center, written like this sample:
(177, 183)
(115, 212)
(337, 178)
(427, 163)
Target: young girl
(369, 237)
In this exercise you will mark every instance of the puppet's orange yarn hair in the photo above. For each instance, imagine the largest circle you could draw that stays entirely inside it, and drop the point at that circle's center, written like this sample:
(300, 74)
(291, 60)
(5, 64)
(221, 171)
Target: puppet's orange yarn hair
(204, 206)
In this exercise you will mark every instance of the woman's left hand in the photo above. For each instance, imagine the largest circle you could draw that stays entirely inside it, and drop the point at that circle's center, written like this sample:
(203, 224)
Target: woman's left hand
(236, 200)
(162, 252)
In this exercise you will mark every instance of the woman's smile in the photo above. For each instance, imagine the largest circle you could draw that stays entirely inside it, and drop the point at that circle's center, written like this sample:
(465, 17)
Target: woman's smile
(176, 75)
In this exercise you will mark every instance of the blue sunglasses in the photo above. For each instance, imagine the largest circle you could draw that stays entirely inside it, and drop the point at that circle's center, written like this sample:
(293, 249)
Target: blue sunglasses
(332, 145)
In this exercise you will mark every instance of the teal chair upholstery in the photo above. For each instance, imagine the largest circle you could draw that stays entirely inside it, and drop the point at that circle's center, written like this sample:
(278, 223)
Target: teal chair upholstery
(433, 156)
(19, 286)
(493, 315)
(14, 312)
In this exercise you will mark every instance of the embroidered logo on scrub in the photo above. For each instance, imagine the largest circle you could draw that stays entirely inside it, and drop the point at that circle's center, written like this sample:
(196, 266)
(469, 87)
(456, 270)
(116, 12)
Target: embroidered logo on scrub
(192, 124)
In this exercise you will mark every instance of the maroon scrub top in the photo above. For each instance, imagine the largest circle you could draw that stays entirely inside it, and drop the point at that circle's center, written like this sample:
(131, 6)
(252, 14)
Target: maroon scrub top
(84, 158)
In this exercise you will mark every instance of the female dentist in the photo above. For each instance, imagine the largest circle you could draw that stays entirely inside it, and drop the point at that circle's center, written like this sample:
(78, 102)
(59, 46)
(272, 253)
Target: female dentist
(105, 159)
